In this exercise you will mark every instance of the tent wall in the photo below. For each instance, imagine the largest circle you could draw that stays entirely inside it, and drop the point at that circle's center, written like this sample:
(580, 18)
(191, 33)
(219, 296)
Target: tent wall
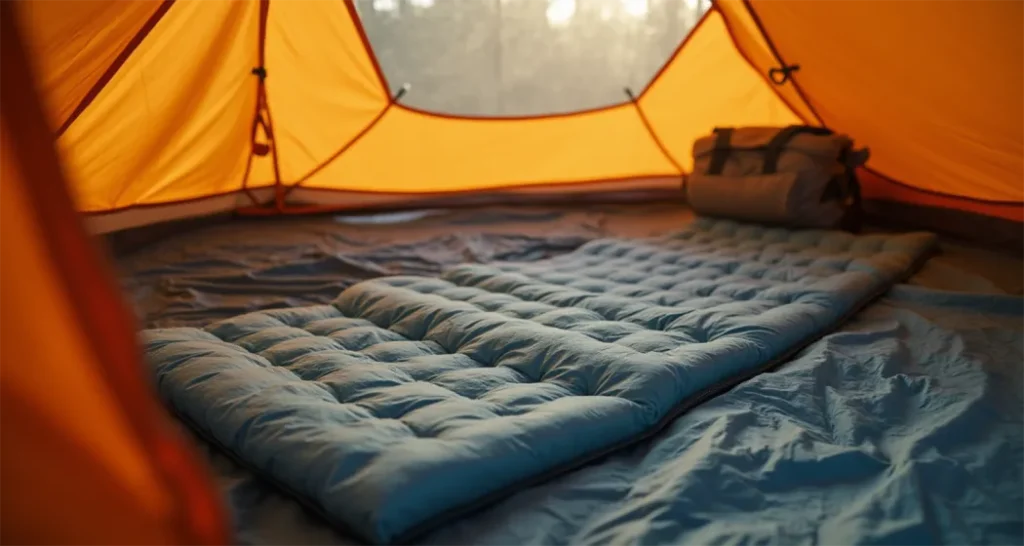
(413, 152)
(75, 43)
(171, 133)
(938, 100)
(88, 455)
(752, 45)
(173, 123)
(321, 97)
(707, 85)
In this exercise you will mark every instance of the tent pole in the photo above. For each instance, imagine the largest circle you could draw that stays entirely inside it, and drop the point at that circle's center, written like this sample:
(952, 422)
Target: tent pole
(261, 98)
(262, 118)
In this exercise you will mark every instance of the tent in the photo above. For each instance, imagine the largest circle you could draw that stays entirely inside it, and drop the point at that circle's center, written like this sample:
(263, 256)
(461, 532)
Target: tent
(113, 470)
(174, 108)
(139, 112)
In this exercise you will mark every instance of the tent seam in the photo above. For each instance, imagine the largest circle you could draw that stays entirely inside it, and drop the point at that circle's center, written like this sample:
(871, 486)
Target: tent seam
(357, 21)
(654, 135)
(803, 97)
(115, 66)
(778, 58)
(679, 49)
(341, 151)
(261, 35)
(263, 107)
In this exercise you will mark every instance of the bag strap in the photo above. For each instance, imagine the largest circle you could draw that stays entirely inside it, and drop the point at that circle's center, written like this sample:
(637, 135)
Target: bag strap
(778, 144)
(723, 135)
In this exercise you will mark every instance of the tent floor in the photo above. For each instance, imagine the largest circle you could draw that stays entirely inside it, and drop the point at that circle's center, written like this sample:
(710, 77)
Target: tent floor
(240, 265)
(231, 267)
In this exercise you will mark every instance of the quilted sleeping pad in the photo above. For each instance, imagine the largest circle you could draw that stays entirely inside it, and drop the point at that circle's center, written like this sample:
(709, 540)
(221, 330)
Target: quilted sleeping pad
(411, 400)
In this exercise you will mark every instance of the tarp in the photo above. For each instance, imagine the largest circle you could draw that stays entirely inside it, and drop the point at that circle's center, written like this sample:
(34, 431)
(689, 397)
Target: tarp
(164, 103)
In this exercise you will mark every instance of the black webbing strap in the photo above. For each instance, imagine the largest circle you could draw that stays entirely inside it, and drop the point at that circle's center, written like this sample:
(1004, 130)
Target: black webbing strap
(778, 143)
(835, 189)
(845, 188)
(723, 136)
(854, 219)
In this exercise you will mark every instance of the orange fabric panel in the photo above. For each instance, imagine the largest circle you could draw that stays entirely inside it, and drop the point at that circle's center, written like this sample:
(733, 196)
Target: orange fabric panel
(933, 88)
(411, 151)
(322, 84)
(877, 187)
(753, 46)
(87, 456)
(73, 42)
(48, 374)
(707, 85)
(174, 122)
(48, 377)
(47, 499)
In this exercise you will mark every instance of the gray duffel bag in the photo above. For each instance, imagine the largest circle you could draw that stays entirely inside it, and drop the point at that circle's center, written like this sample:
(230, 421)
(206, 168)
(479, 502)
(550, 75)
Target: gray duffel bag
(798, 176)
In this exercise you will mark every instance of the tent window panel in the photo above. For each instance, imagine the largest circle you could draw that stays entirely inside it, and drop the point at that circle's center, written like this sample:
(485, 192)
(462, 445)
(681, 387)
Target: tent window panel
(523, 57)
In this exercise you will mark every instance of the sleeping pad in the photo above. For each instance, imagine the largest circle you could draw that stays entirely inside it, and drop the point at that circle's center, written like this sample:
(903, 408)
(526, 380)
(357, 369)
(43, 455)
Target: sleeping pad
(410, 401)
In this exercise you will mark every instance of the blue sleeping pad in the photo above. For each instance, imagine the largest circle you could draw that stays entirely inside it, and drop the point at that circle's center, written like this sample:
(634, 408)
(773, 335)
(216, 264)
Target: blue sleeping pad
(410, 400)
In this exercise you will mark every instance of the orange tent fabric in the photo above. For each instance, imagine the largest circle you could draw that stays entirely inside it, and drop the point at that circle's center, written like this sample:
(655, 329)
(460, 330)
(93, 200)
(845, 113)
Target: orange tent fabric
(938, 100)
(88, 455)
(179, 123)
